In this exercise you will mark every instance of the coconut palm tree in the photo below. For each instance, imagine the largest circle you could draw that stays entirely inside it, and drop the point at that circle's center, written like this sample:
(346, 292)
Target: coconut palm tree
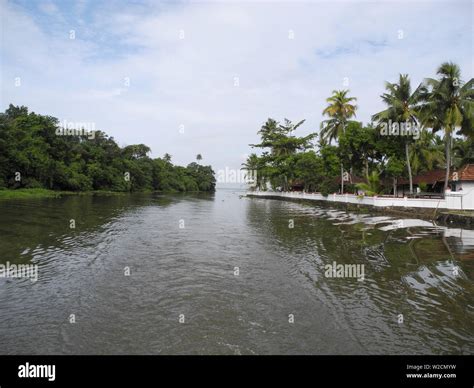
(448, 106)
(402, 108)
(463, 152)
(252, 165)
(372, 187)
(339, 110)
(427, 152)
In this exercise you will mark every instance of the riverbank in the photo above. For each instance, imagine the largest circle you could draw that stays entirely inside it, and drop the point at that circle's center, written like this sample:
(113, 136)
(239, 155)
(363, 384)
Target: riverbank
(45, 193)
(439, 215)
(30, 193)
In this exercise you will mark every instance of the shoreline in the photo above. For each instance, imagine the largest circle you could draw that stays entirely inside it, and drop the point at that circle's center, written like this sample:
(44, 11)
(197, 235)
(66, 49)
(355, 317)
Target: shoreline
(7, 194)
(444, 217)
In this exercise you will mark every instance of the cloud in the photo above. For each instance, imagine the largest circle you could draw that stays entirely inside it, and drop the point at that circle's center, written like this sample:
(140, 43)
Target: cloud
(192, 81)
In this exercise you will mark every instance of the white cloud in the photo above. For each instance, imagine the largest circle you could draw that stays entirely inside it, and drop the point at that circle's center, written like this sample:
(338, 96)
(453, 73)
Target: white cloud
(190, 81)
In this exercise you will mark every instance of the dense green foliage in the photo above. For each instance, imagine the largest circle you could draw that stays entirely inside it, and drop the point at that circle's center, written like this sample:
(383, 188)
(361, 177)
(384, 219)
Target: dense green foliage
(34, 155)
(438, 105)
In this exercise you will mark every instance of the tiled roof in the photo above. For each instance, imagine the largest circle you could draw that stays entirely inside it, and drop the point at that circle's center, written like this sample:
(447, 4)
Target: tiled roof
(428, 177)
(297, 183)
(465, 173)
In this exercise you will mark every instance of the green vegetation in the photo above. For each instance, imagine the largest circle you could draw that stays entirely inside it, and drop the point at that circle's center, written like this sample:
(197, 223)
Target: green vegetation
(401, 141)
(372, 187)
(46, 193)
(29, 193)
(35, 153)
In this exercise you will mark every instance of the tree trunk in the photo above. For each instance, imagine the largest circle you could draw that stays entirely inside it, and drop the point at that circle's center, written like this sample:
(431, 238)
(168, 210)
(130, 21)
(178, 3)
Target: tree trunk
(342, 178)
(342, 166)
(394, 186)
(448, 160)
(410, 178)
(367, 169)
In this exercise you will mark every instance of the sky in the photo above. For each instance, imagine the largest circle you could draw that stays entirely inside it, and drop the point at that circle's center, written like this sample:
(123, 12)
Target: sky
(202, 77)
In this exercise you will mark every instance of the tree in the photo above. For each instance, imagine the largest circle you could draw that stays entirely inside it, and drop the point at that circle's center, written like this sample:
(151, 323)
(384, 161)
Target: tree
(339, 111)
(32, 145)
(252, 165)
(463, 151)
(448, 106)
(308, 167)
(372, 187)
(198, 157)
(402, 110)
(357, 146)
(138, 151)
(426, 153)
(281, 143)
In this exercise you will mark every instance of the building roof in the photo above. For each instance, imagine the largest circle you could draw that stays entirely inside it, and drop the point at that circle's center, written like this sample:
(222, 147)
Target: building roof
(297, 183)
(465, 173)
(428, 177)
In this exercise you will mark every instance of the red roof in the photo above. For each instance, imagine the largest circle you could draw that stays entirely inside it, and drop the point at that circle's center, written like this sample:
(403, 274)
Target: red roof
(465, 173)
(297, 183)
(428, 177)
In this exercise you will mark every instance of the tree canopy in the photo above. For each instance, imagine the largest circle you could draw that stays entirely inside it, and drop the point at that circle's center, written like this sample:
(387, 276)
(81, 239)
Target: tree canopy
(33, 155)
(401, 140)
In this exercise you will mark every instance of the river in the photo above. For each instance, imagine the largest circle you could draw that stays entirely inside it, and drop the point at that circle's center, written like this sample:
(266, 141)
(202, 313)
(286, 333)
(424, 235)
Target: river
(221, 274)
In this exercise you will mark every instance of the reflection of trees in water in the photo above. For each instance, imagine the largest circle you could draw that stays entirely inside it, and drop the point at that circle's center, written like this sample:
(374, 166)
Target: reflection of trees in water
(29, 225)
(174, 197)
(406, 269)
(347, 239)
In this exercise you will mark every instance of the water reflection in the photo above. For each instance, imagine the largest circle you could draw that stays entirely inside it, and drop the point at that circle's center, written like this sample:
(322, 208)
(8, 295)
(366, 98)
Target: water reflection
(412, 267)
(409, 269)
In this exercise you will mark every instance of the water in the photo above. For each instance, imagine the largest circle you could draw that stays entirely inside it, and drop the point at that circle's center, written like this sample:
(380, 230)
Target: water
(190, 272)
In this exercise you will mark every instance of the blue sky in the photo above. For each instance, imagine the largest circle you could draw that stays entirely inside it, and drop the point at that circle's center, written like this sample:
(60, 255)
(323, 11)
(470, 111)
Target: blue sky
(182, 60)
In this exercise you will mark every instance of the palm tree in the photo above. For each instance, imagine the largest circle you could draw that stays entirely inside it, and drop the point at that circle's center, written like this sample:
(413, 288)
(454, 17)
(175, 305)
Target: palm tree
(198, 157)
(463, 152)
(339, 111)
(448, 106)
(427, 152)
(251, 165)
(402, 108)
(372, 187)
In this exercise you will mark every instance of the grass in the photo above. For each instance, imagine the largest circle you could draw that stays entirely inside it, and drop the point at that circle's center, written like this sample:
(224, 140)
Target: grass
(29, 193)
(45, 193)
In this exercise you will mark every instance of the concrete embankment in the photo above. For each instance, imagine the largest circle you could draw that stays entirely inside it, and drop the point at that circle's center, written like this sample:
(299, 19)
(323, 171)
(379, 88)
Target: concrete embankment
(440, 216)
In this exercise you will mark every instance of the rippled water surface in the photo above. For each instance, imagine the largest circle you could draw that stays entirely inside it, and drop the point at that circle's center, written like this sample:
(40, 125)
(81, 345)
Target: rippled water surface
(410, 269)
